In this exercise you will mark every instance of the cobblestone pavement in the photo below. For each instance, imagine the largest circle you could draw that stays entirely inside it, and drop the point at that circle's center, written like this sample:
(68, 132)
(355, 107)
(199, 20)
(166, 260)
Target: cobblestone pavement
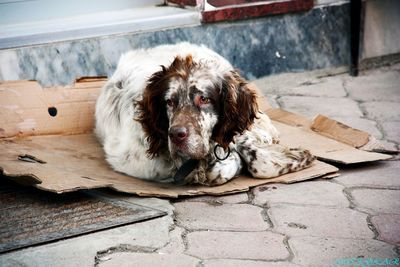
(313, 223)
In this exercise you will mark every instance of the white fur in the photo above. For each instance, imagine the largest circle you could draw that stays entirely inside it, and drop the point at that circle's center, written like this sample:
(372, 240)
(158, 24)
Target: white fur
(123, 138)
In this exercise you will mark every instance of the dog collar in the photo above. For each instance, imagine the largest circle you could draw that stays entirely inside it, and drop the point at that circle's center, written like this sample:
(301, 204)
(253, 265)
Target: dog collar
(216, 155)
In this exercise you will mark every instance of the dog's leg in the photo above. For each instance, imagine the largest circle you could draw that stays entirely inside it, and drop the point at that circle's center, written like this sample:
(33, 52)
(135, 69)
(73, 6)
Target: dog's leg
(221, 171)
(266, 159)
(216, 172)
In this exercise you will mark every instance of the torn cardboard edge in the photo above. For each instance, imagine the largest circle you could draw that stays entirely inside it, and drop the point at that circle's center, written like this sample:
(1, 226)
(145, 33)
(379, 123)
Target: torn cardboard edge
(345, 134)
(61, 155)
(333, 130)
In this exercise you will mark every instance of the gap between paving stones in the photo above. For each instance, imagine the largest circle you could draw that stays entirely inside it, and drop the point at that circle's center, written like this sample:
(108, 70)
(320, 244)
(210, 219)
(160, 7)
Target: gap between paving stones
(370, 215)
(285, 241)
(365, 206)
(352, 206)
(320, 222)
(266, 218)
(372, 227)
(105, 255)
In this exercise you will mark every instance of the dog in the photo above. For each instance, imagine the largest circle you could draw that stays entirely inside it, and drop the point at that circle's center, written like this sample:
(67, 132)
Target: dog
(183, 111)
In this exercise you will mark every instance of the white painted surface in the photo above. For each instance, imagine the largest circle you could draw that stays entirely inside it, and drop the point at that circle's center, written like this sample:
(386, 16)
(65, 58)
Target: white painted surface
(96, 24)
(23, 11)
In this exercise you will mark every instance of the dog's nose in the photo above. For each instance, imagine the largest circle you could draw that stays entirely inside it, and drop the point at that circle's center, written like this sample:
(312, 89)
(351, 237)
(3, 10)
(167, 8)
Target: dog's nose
(178, 134)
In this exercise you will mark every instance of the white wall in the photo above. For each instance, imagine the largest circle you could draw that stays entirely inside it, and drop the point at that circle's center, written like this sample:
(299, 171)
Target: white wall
(381, 28)
(22, 11)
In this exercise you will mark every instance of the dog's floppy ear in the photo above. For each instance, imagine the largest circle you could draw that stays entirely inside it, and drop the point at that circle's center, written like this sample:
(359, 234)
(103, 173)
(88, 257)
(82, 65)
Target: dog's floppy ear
(152, 114)
(238, 109)
(151, 110)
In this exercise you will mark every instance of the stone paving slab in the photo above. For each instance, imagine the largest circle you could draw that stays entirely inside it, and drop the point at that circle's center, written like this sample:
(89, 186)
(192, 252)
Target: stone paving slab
(285, 82)
(376, 200)
(81, 251)
(147, 259)
(246, 263)
(392, 130)
(320, 193)
(388, 227)
(382, 111)
(383, 86)
(175, 243)
(379, 175)
(237, 245)
(319, 222)
(151, 202)
(311, 251)
(312, 106)
(233, 217)
(327, 87)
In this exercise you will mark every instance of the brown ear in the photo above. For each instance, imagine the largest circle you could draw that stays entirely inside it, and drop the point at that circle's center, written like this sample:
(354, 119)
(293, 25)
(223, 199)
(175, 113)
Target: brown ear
(238, 109)
(152, 113)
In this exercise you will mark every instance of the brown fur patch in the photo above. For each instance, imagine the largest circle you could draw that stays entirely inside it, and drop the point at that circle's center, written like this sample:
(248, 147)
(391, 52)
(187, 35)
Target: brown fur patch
(151, 109)
(239, 109)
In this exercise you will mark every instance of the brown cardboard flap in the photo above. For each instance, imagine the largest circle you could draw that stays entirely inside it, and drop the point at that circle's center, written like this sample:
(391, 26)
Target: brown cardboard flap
(289, 118)
(328, 139)
(323, 147)
(28, 109)
(339, 131)
(73, 162)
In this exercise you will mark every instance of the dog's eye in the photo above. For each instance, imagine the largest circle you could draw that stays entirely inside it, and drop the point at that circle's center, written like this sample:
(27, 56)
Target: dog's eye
(170, 103)
(204, 100)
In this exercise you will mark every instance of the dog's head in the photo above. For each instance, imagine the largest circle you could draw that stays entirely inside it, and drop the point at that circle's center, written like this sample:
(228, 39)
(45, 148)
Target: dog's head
(188, 106)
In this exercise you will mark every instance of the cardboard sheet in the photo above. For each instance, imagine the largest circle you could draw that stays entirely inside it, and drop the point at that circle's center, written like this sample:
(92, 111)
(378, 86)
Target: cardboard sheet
(297, 131)
(73, 162)
(339, 131)
(55, 151)
(25, 108)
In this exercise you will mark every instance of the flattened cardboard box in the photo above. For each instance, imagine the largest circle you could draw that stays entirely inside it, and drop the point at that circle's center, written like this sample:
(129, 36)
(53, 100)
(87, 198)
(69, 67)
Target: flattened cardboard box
(46, 141)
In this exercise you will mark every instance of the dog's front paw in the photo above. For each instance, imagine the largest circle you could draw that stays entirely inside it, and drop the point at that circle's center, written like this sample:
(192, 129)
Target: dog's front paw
(270, 161)
(301, 158)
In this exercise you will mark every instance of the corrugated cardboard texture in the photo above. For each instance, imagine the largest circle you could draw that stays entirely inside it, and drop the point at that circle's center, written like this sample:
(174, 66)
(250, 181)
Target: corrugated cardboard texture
(64, 156)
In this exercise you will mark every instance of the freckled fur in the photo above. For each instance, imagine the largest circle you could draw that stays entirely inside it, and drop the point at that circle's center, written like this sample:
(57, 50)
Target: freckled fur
(133, 119)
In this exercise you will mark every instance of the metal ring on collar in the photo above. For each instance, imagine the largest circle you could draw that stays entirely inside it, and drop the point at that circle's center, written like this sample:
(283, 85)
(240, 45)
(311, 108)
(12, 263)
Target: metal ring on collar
(215, 153)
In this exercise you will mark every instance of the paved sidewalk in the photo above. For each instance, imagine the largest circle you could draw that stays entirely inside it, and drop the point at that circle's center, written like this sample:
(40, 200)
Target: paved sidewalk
(313, 223)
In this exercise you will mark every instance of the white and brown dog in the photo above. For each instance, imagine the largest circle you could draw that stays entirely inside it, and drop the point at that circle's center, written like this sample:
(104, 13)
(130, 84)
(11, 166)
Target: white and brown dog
(177, 105)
